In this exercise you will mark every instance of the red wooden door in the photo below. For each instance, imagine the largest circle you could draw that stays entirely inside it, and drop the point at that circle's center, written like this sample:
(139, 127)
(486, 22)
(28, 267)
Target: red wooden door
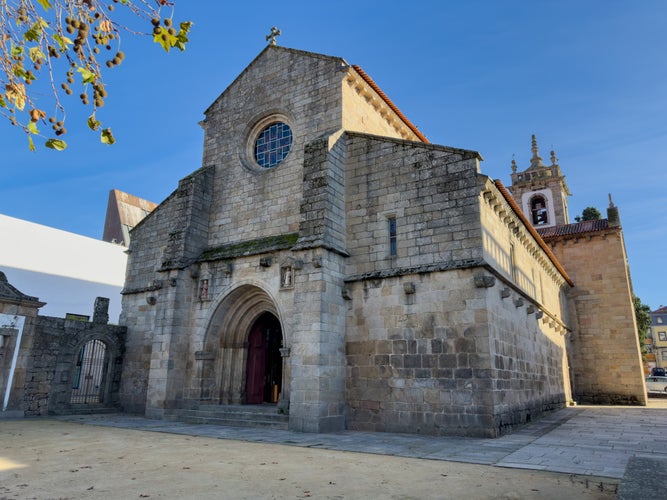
(256, 365)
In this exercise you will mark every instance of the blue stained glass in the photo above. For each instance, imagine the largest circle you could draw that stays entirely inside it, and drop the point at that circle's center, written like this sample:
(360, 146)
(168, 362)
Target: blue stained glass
(273, 144)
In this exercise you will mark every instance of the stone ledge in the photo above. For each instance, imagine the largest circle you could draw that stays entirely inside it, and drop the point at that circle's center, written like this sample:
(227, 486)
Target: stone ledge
(428, 268)
(250, 247)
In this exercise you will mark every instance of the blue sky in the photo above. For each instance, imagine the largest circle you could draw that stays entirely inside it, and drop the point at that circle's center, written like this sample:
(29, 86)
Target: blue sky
(587, 77)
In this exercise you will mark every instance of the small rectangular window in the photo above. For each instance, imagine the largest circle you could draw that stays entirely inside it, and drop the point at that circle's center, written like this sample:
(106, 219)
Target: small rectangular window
(392, 236)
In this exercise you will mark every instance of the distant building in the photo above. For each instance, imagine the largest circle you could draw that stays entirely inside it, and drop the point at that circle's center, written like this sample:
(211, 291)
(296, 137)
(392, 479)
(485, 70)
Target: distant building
(64, 270)
(124, 211)
(659, 335)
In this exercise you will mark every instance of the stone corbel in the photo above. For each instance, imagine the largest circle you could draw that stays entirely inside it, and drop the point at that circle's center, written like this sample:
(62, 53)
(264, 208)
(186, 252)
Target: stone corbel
(227, 269)
(505, 292)
(409, 288)
(518, 302)
(484, 281)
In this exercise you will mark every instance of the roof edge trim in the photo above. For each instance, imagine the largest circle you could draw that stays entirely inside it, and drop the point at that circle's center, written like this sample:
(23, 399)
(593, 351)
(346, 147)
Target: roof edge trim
(519, 213)
(389, 103)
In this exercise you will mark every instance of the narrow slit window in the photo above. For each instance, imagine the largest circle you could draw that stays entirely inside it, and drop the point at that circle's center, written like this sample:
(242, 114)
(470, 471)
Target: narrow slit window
(392, 236)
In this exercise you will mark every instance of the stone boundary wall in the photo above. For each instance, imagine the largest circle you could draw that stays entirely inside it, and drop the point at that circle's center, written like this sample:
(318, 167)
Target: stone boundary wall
(52, 358)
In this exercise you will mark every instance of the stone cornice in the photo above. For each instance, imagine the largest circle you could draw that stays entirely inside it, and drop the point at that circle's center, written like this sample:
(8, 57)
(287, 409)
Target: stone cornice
(403, 271)
(509, 212)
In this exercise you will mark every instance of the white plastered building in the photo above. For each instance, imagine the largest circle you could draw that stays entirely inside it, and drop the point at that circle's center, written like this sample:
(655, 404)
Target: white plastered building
(63, 269)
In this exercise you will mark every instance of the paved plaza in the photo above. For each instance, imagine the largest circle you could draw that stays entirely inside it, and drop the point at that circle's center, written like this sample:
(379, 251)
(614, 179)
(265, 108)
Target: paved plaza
(582, 452)
(584, 440)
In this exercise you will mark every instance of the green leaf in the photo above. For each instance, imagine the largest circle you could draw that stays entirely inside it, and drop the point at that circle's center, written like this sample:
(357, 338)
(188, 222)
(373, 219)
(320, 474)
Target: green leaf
(32, 128)
(31, 144)
(56, 144)
(19, 71)
(165, 39)
(16, 50)
(46, 5)
(35, 54)
(93, 123)
(182, 36)
(107, 137)
(33, 34)
(87, 75)
(3, 103)
(63, 41)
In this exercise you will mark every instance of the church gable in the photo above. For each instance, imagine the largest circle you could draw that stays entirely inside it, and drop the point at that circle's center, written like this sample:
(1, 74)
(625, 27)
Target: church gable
(255, 135)
(299, 87)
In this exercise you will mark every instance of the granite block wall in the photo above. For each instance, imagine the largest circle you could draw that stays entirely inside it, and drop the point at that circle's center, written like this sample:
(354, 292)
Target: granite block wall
(607, 365)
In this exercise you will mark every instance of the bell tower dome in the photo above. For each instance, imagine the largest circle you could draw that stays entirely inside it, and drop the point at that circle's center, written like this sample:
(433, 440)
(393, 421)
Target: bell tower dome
(541, 191)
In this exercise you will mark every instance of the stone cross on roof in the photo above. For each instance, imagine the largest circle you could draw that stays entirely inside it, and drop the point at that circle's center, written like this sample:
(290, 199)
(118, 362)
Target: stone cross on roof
(271, 37)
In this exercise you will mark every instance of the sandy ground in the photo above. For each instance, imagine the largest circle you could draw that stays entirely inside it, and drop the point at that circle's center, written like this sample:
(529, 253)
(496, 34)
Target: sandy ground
(46, 459)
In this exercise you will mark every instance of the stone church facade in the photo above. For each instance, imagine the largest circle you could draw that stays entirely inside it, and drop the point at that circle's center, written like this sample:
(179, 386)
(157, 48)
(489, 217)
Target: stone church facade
(328, 260)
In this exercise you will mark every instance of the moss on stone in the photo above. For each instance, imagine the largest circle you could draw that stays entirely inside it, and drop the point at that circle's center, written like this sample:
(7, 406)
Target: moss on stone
(250, 247)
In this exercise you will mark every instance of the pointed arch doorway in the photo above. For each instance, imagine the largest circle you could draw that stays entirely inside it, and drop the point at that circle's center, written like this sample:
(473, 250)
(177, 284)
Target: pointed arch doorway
(264, 362)
(245, 359)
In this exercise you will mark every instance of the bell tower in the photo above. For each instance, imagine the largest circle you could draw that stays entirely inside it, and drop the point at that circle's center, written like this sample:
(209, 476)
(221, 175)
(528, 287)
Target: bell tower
(541, 191)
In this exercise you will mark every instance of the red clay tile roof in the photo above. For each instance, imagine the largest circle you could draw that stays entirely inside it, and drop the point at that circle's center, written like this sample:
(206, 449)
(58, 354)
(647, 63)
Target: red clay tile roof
(661, 310)
(519, 213)
(386, 99)
(587, 226)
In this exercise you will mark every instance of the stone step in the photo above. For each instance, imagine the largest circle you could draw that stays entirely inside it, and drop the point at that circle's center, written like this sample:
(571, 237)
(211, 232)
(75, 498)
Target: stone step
(85, 409)
(265, 416)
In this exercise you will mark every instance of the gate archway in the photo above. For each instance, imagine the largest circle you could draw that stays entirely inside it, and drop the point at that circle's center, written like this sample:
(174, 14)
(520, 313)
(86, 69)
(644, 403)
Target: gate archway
(90, 373)
(241, 362)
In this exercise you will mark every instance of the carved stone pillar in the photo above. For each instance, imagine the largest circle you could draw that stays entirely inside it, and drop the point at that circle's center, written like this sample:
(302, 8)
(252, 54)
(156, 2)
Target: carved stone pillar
(283, 400)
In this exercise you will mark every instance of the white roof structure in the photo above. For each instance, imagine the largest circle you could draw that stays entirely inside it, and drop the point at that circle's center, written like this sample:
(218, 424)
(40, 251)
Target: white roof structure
(65, 270)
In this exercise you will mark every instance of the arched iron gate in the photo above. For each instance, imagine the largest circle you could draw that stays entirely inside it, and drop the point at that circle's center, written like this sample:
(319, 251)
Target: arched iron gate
(90, 373)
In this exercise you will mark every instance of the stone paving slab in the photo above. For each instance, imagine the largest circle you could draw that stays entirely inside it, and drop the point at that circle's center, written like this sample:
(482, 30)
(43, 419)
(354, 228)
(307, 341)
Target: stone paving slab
(586, 440)
(643, 476)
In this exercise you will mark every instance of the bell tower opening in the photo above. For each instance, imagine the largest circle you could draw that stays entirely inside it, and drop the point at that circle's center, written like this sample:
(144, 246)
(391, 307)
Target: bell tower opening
(264, 362)
(538, 211)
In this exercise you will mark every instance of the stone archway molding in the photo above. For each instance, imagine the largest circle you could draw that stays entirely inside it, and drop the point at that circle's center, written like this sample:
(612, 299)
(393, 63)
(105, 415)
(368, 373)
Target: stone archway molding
(222, 363)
